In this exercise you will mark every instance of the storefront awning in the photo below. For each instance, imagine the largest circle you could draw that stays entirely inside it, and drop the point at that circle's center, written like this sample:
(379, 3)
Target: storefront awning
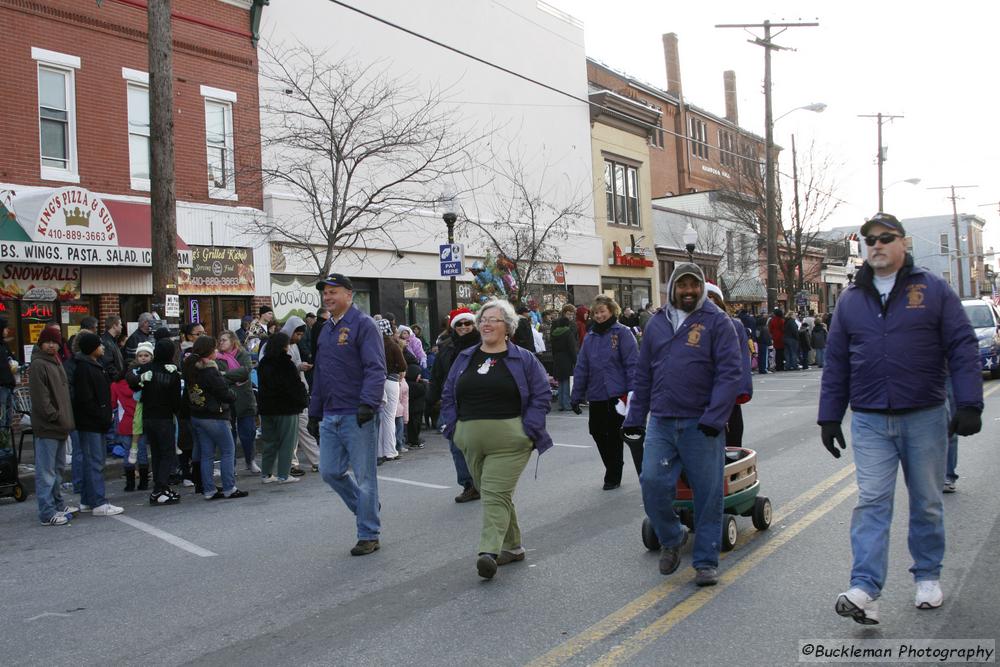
(747, 289)
(74, 226)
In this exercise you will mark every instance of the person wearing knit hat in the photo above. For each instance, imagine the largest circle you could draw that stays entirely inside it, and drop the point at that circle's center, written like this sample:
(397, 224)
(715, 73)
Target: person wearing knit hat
(463, 334)
(93, 417)
(145, 346)
(734, 427)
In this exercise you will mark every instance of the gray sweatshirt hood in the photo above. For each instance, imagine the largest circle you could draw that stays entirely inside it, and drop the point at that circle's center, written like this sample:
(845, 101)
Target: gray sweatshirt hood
(686, 269)
(291, 324)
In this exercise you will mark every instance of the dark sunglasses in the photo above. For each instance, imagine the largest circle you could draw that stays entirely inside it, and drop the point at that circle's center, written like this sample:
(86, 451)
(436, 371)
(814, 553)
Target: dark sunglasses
(464, 323)
(884, 238)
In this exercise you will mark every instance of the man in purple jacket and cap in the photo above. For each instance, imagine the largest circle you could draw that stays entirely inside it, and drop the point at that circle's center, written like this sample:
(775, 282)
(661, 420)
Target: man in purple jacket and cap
(687, 378)
(346, 393)
(896, 334)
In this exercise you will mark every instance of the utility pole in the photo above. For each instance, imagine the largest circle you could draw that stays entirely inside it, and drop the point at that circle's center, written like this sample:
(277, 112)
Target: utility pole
(163, 202)
(958, 239)
(798, 218)
(880, 155)
(769, 166)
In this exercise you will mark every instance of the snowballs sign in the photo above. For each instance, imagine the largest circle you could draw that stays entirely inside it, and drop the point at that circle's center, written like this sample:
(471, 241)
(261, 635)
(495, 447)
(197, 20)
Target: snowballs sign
(217, 270)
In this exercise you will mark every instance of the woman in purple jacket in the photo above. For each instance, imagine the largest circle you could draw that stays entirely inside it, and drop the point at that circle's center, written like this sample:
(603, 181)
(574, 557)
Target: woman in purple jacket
(493, 407)
(603, 377)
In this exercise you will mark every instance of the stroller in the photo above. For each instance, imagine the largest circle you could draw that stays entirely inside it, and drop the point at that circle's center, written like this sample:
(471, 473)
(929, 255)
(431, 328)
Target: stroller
(10, 485)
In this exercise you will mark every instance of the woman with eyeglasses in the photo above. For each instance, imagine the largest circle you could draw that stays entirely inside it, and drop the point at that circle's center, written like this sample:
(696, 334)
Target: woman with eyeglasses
(494, 405)
(462, 334)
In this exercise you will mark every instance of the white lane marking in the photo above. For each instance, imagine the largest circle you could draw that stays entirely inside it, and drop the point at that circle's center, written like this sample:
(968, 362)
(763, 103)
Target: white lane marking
(43, 615)
(559, 444)
(408, 481)
(178, 542)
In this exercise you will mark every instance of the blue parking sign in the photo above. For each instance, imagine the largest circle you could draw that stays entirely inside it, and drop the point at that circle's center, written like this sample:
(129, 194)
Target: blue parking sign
(452, 258)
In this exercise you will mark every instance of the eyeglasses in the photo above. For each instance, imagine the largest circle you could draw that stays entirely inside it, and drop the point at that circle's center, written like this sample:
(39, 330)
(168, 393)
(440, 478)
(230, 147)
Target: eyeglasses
(491, 320)
(464, 323)
(884, 238)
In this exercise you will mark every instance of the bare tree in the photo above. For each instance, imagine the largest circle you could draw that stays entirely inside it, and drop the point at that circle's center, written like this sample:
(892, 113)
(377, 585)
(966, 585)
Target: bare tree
(363, 152)
(530, 212)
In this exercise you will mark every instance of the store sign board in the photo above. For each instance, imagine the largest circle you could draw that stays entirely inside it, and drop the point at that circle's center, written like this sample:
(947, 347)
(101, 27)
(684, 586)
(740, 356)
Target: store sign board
(293, 295)
(224, 270)
(74, 215)
(39, 282)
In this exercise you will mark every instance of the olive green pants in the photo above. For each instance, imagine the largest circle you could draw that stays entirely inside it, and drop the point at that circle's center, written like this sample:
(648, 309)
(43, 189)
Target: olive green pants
(497, 450)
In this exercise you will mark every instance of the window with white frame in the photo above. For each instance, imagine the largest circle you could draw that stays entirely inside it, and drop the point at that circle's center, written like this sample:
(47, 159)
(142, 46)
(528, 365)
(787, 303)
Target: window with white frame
(219, 142)
(698, 133)
(621, 188)
(727, 148)
(944, 244)
(138, 128)
(57, 114)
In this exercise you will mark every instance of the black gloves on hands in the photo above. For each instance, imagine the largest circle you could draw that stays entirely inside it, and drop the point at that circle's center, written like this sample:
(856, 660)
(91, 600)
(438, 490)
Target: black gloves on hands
(313, 427)
(967, 421)
(832, 435)
(575, 407)
(708, 430)
(634, 435)
(365, 414)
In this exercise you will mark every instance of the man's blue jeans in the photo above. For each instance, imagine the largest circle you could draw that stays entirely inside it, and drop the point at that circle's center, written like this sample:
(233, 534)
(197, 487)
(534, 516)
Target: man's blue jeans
(211, 434)
(93, 451)
(882, 443)
(563, 395)
(50, 457)
(461, 466)
(672, 446)
(791, 355)
(820, 356)
(342, 445)
(76, 466)
(950, 475)
(245, 428)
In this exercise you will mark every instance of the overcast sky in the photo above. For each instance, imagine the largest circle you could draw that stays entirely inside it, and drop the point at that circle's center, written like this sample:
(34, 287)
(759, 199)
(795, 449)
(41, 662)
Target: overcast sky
(936, 67)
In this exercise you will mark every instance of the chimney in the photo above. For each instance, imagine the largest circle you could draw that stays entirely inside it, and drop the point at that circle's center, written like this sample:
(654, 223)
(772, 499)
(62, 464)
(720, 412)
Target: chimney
(729, 82)
(673, 61)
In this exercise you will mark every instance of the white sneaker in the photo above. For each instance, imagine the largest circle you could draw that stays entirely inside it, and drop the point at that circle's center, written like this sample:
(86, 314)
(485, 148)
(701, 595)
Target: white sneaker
(949, 487)
(216, 473)
(187, 483)
(69, 509)
(254, 468)
(288, 480)
(270, 479)
(860, 606)
(107, 509)
(57, 519)
(929, 595)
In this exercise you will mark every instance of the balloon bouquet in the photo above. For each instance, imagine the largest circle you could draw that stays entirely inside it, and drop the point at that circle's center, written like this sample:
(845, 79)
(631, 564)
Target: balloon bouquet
(493, 279)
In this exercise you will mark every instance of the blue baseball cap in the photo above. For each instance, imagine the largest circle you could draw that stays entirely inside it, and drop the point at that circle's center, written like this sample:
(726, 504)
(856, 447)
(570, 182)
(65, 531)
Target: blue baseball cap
(335, 280)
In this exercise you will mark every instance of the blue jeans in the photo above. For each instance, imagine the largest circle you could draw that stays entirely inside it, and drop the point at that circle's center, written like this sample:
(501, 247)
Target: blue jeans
(791, 355)
(820, 354)
(142, 453)
(762, 354)
(882, 443)
(209, 435)
(93, 451)
(342, 445)
(400, 433)
(562, 396)
(246, 430)
(950, 475)
(461, 466)
(672, 446)
(50, 456)
(76, 458)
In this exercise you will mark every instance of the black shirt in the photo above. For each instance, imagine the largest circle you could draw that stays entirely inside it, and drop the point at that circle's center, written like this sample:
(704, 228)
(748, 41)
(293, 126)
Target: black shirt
(487, 390)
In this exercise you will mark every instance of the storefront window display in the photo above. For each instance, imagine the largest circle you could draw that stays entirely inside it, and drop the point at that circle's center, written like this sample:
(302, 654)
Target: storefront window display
(628, 292)
(418, 304)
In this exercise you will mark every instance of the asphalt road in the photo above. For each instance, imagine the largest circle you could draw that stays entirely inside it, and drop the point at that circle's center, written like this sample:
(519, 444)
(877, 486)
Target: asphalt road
(268, 579)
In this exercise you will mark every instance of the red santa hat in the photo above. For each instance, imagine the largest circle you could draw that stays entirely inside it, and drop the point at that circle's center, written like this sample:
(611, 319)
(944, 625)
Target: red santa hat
(460, 314)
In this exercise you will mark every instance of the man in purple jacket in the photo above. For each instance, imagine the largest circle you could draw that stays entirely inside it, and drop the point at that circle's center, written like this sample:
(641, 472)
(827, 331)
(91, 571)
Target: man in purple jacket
(687, 377)
(347, 390)
(895, 334)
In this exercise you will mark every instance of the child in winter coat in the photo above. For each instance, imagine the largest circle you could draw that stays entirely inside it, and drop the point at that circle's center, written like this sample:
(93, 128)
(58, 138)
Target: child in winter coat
(129, 407)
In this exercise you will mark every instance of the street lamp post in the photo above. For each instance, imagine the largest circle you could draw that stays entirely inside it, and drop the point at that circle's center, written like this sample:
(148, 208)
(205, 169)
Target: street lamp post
(769, 183)
(449, 220)
(690, 241)
(881, 194)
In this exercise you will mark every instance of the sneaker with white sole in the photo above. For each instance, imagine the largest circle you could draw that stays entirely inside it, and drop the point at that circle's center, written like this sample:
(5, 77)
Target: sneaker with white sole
(289, 480)
(187, 483)
(949, 487)
(253, 468)
(929, 595)
(860, 606)
(70, 508)
(269, 479)
(107, 509)
(57, 519)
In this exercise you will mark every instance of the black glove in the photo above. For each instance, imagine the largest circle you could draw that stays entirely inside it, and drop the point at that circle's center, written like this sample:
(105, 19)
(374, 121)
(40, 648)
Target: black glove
(967, 421)
(708, 430)
(832, 435)
(634, 435)
(313, 427)
(575, 407)
(365, 414)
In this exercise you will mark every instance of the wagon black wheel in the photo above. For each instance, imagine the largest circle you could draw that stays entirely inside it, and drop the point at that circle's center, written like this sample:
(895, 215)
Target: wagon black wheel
(20, 495)
(729, 532)
(761, 513)
(649, 538)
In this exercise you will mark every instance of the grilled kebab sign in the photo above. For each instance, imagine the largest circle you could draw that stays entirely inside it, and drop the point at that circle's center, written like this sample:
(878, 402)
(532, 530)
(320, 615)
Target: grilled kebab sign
(217, 270)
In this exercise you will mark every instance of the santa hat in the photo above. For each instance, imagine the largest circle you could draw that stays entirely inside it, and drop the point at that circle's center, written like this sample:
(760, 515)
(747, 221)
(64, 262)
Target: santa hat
(712, 288)
(460, 314)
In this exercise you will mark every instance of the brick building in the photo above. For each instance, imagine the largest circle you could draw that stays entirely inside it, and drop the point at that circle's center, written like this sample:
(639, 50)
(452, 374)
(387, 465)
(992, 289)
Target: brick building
(74, 161)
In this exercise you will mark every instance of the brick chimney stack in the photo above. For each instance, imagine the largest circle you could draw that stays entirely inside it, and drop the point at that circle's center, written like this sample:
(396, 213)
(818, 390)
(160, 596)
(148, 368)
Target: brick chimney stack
(673, 62)
(729, 82)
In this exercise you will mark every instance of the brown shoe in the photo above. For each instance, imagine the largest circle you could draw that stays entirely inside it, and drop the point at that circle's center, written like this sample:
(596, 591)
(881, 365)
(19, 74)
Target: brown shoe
(506, 557)
(365, 547)
(467, 494)
(670, 557)
(486, 566)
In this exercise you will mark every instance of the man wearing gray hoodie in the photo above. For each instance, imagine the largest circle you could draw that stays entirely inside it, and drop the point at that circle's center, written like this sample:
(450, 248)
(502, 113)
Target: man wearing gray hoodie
(295, 328)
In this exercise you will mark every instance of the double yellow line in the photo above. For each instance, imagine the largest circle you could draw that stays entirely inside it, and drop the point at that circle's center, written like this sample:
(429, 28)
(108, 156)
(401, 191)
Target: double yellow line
(637, 642)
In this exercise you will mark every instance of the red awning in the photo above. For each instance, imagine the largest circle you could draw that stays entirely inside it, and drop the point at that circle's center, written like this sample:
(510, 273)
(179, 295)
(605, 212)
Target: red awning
(135, 224)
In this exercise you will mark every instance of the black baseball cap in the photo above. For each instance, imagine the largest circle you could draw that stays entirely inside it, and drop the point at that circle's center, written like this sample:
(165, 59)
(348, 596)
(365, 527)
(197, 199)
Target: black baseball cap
(884, 219)
(335, 280)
